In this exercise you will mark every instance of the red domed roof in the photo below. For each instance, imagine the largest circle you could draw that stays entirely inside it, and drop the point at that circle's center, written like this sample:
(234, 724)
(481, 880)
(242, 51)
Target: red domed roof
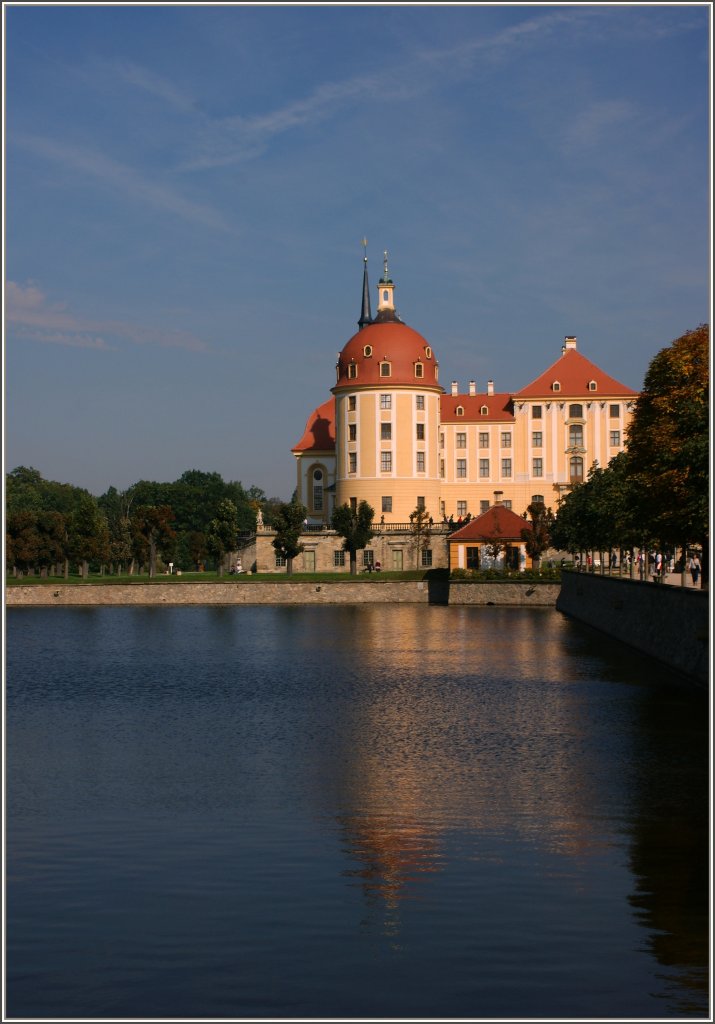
(409, 358)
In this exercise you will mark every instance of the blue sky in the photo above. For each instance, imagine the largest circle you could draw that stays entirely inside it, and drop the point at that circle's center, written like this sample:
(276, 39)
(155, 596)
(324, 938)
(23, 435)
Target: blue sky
(187, 188)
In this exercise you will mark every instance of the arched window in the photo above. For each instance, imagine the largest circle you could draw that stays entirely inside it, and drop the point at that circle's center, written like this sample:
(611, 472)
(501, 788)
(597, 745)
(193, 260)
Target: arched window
(484, 410)
(576, 469)
(317, 490)
(459, 410)
(537, 499)
(576, 412)
(556, 386)
(575, 435)
(592, 385)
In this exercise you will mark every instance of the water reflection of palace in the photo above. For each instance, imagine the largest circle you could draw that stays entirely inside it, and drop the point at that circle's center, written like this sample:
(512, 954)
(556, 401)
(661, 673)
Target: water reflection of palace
(525, 739)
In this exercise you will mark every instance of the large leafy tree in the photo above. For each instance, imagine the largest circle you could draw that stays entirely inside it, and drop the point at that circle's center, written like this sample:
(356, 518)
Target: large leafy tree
(153, 533)
(355, 527)
(223, 532)
(288, 522)
(668, 444)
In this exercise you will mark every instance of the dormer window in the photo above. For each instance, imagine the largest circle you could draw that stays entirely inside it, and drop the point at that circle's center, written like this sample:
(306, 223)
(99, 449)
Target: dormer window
(484, 410)
(385, 370)
(592, 385)
(556, 386)
(459, 410)
(352, 371)
(428, 352)
(419, 370)
(367, 351)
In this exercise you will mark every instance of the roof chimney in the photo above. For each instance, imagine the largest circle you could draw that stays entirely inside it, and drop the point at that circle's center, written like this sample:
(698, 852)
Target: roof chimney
(490, 387)
(472, 388)
(498, 497)
(455, 388)
(569, 342)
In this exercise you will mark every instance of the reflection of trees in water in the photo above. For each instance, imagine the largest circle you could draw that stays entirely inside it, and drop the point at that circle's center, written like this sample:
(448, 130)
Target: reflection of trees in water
(670, 838)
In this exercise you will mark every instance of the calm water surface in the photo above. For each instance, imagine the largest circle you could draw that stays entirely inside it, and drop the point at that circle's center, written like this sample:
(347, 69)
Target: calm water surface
(360, 811)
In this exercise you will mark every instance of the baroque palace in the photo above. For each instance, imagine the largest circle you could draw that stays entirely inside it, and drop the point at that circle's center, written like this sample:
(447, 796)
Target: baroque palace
(393, 436)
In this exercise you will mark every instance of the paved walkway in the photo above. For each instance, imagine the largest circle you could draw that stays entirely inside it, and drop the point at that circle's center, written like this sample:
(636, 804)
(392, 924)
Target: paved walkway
(673, 579)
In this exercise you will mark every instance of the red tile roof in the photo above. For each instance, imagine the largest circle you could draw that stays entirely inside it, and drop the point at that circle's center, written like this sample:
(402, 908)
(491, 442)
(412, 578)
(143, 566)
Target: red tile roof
(497, 523)
(392, 342)
(574, 372)
(319, 433)
(499, 406)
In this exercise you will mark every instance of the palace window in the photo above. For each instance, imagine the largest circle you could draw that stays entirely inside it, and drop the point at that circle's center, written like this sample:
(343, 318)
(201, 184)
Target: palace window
(484, 467)
(537, 499)
(367, 351)
(368, 557)
(387, 503)
(385, 401)
(385, 370)
(441, 440)
(576, 412)
(537, 467)
(426, 558)
(352, 432)
(484, 411)
(352, 462)
(419, 401)
(461, 508)
(592, 385)
(537, 439)
(484, 439)
(420, 431)
(386, 462)
(421, 501)
(506, 439)
(575, 436)
(420, 462)
(461, 468)
(484, 505)
(352, 371)
(460, 410)
(507, 503)
(351, 403)
(419, 370)
(281, 560)
(461, 440)
(441, 468)
(385, 431)
(339, 559)
(614, 411)
(556, 386)
(536, 412)
(615, 438)
(576, 469)
(506, 467)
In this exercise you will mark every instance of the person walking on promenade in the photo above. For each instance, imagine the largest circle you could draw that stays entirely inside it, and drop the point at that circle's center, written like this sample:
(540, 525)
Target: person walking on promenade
(694, 566)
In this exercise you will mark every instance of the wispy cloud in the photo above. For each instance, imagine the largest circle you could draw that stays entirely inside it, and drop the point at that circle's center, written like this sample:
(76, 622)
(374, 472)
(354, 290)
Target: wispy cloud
(122, 178)
(155, 85)
(33, 317)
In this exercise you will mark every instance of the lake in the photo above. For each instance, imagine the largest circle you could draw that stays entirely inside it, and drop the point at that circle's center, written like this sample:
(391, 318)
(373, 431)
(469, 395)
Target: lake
(350, 812)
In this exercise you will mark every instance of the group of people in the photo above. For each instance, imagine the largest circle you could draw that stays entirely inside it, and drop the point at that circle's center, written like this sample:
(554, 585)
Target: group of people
(659, 564)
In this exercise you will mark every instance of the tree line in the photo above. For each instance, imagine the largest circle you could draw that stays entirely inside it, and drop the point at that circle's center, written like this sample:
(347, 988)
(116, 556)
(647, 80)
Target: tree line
(655, 494)
(54, 528)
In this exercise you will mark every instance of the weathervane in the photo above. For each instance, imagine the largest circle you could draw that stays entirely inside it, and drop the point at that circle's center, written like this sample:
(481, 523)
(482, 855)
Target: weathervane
(364, 245)
(384, 262)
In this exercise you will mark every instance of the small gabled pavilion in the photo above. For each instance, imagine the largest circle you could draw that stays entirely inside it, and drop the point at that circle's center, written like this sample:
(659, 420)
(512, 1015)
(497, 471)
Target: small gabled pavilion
(491, 541)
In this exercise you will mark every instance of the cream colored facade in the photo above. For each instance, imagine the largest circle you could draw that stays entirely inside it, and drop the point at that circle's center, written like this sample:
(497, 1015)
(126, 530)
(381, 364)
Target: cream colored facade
(400, 440)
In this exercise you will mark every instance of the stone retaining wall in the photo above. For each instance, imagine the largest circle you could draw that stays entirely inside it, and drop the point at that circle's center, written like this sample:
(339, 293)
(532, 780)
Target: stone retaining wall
(338, 592)
(669, 623)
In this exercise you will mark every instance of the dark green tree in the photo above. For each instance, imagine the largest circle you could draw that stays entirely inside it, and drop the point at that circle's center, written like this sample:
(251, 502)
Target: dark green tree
(288, 523)
(153, 534)
(355, 527)
(222, 533)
